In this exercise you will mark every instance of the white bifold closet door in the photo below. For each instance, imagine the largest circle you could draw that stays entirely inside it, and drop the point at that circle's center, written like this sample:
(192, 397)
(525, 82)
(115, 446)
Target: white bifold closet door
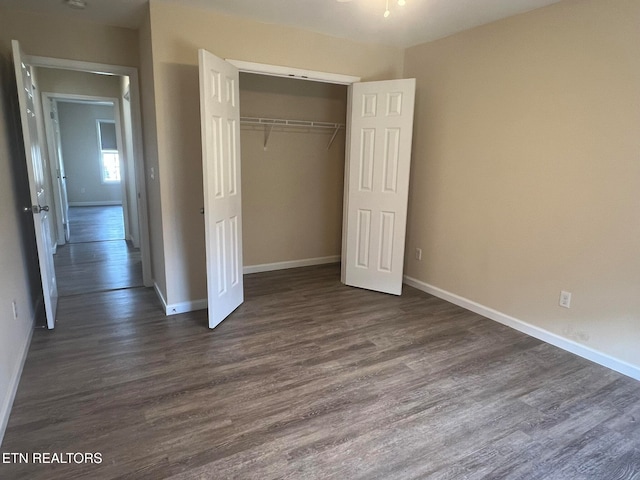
(220, 124)
(377, 184)
(380, 125)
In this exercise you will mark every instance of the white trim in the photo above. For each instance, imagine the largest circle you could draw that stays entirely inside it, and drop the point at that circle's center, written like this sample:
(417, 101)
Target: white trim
(79, 65)
(97, 203)
(290, 72)
(136, 119)
(583, 351)
(7, 403)
(306, 262)
(160, 296)
(182, 307)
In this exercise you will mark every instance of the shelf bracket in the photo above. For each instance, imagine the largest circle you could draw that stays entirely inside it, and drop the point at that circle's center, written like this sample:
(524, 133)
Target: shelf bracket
(333, 137)
(267, 133)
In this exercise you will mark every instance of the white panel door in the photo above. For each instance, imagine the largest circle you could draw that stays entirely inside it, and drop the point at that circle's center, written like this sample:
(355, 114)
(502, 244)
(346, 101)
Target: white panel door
(220, 123)
(377, 184)
(58, 175)
(62, 175)
(37, 184)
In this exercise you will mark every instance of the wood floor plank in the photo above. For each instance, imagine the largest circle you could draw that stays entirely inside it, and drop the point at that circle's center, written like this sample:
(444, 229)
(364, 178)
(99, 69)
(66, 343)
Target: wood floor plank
(312, 379)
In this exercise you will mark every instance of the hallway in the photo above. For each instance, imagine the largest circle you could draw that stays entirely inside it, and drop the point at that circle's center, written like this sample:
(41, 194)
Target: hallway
(97, 258)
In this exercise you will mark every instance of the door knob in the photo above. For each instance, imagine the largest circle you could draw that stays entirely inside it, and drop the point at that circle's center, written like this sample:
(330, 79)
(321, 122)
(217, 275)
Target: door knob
(36, 209)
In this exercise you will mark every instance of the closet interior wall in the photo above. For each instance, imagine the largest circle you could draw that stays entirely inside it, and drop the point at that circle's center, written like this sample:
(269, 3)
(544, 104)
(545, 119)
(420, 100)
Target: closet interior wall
(292, 190)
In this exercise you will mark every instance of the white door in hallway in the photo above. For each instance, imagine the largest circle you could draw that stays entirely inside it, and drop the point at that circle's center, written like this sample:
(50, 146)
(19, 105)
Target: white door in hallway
(40, 198)
(378, 161)
(220, 125)
(58, 174)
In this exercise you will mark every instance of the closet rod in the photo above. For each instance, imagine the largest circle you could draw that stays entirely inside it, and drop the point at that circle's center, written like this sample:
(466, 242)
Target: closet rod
(269, 123)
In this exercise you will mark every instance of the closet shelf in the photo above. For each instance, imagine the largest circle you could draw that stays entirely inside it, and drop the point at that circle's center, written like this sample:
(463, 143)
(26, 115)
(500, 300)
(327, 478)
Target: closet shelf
(269, 123)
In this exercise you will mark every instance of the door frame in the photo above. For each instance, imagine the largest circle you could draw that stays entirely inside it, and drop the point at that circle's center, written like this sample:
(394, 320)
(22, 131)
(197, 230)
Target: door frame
(314, 76)
(292, 72)
(136, 123)
(326, 77)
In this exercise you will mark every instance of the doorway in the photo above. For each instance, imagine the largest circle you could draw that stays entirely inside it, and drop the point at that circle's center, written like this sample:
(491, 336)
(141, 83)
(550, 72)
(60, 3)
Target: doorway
(130, 103)
(292, 135)
(41, 174)
(94, 250)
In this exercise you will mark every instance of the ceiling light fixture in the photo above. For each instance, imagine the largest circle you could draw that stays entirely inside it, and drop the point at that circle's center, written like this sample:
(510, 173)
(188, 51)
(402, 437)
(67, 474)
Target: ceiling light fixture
(77, 4)
(387, 12)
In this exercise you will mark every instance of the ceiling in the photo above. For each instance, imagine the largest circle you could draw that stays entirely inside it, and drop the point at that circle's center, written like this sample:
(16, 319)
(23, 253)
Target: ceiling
(417, 22)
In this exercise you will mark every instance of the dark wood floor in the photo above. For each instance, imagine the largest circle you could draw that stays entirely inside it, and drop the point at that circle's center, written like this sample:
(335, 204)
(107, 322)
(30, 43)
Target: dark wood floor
(97, 257)
(96, 224)
(310, 379)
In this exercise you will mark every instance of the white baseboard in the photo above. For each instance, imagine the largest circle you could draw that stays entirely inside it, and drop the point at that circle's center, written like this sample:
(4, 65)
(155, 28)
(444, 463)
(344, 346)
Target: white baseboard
(160, 296)
(7, 402)
(583, 351)
(307, 262)
(182, 307)
(99, 203)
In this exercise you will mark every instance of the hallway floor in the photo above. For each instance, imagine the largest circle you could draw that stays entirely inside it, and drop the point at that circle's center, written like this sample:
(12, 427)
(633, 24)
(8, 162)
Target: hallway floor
(97, 257)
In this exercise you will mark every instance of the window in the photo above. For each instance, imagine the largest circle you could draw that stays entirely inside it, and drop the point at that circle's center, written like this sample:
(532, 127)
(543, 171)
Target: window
(109, 158)
(110, 166)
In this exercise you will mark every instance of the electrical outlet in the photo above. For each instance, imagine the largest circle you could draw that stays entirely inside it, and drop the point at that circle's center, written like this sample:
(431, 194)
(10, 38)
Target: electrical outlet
(418, 254)
(15, 309)
(565, 299)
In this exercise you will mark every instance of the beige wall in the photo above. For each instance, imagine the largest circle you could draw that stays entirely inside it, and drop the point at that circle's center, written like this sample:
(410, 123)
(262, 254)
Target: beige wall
(292, 192)
(55, 80)
(177, 32)
(525, 174)
(62, 37)
(19, 279)
(152, 171)
(81, 153)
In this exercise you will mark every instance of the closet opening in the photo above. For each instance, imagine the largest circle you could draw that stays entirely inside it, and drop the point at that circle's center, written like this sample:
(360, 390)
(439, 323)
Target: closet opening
(292, 135)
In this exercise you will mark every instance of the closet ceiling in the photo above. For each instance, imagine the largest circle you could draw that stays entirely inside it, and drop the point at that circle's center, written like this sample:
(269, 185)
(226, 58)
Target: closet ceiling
(361, 20)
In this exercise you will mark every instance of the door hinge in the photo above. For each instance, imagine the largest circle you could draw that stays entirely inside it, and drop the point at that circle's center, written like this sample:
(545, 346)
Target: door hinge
(52, 115)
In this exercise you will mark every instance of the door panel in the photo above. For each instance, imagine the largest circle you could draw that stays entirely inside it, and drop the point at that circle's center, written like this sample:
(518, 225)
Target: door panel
(220, 123)
(37, 184)
(377, 184)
